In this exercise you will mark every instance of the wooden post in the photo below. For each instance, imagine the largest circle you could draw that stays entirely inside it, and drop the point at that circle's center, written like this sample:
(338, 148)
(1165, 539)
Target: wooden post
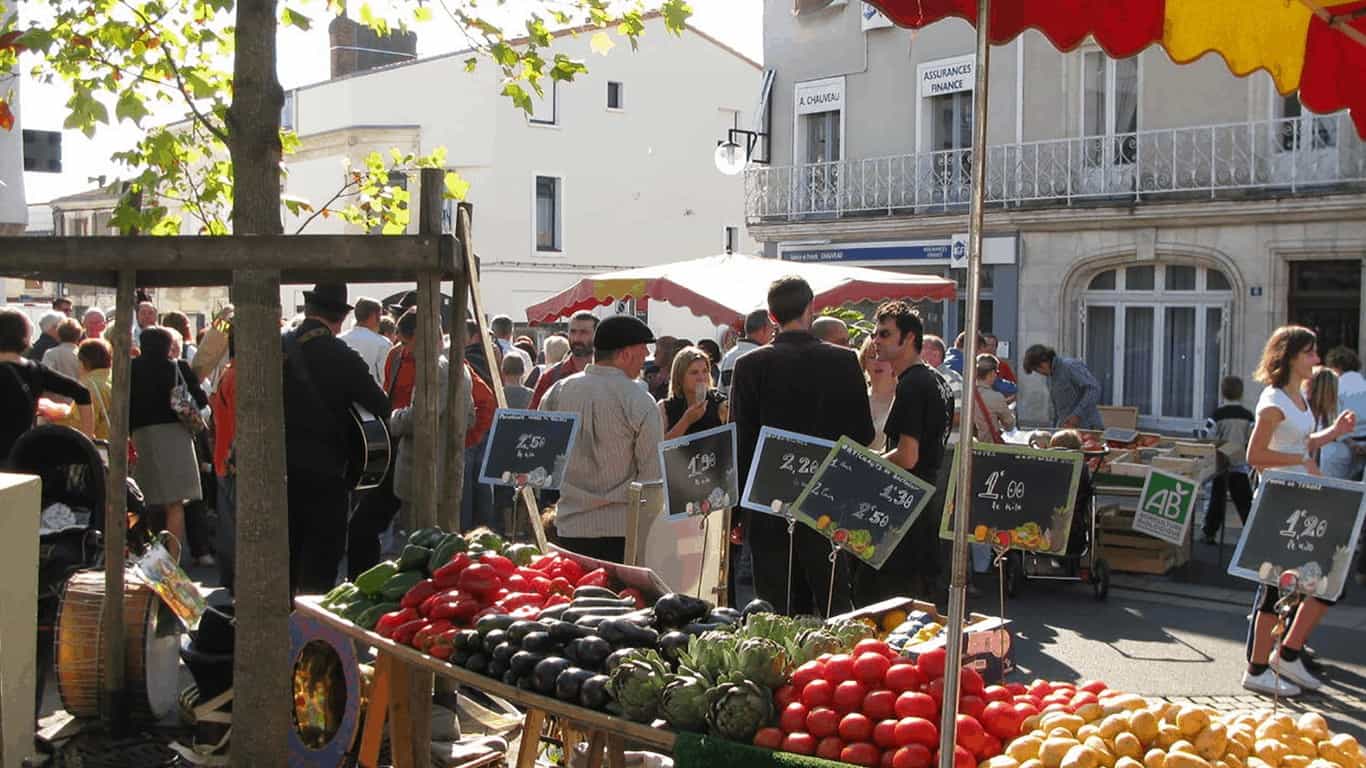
(456, 422)
(114, 702)
(261, 669)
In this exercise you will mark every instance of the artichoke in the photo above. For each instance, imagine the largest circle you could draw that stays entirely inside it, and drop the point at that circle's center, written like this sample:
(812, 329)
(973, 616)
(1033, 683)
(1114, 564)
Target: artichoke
(709, 655)
(738, 710)
(814, 642)
(684, 703)
(636, 683)
(851, 631)
(763, 661)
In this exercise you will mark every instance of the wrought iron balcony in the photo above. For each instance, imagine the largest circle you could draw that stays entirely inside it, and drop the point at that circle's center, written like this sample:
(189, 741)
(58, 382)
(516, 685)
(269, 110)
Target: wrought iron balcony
(1273, 157)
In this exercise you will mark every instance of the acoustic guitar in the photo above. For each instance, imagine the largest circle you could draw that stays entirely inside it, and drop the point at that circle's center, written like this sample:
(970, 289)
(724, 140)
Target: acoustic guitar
(370, 449)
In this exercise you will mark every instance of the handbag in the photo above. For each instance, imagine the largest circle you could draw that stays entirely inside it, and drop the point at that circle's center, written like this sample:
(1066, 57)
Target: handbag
(183, 404)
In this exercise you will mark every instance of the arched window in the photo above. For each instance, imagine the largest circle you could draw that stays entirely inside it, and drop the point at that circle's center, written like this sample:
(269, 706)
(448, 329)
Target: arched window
(1155, 336)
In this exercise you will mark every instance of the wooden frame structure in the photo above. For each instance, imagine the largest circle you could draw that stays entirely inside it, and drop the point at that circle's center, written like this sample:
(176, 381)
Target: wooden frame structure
(255, 266)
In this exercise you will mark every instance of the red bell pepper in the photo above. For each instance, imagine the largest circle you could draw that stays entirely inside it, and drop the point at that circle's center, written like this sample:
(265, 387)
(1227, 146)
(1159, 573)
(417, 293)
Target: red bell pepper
(543, 563)
(393, 620)
(634, 594)
(541, 585)
(458, 611)
(568, 569)
(443, 644)
(404, 634)
(554, 600)
(502, 565)
(420, 591)
(422, 639)
(527, 572)
(439, 597)
(527, 612)
(500, 594)
(519, 599)
(518, 583)
(561, 586)
(479, 579)
(448, 575)
(594, 578)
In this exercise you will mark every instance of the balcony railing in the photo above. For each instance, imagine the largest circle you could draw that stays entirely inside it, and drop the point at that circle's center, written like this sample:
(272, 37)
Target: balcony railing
(1296, 155)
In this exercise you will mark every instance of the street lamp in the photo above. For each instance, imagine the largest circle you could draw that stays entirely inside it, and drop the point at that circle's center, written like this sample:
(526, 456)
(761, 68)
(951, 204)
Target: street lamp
(732, 157)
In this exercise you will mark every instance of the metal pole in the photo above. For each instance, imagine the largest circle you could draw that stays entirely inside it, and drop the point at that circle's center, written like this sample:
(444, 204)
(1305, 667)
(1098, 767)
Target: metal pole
(959, 581)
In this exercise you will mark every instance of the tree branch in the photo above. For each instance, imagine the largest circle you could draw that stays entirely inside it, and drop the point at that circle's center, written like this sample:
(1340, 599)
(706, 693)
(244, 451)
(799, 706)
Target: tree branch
(200, 117)
(317, 212)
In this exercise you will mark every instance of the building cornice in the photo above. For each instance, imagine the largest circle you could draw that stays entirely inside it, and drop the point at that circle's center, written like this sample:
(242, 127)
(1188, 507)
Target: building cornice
(336, 141)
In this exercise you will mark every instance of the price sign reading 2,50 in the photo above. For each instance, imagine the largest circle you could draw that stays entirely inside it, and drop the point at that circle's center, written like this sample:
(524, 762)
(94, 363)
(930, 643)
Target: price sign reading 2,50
(1301, 528)
(527, 444)
(898, 496)
(994, 487)
(799, 465)
(701, 463)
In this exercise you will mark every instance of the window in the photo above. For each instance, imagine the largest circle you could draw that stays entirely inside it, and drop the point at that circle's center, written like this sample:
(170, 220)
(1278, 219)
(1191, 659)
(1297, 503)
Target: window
(614, 100)
(1154, 336)
(548, 232)
(822, 130)
(1109, 109)
(544, 109)
(731, 239)
(287, 112)
(1298, 128)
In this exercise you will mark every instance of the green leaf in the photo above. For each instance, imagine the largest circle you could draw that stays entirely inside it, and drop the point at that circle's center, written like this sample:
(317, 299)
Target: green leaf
(456, 186)
(130, 107)
(676, 14)
(292, 18)
(520, 98)
(296, 205)
(471, 63)
(393, 228)
(601, 43)
(422, 13)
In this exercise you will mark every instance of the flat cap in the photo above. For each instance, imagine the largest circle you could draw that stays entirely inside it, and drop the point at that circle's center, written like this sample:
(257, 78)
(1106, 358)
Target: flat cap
(621, 331)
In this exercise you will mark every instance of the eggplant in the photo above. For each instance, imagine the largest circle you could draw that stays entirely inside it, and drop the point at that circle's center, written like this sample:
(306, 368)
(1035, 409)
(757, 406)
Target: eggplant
(547, 671)
(526, 683)
(698, 627)
(574, 614)
(492, 622)
(590, 591)
(494, 639)
(478, 663)
(614, 658)
(568, 684)
(510, 678)
(502, 652)
(459, 658)
(676, 610)
(723, 616)
(603, 602)
(540, 642)
(593, 692)
(671, 644)
(520, 629)
(469, 641)
(566, 631)
(589, 652)
(554, 612)
(496, 669)
(523, 662)
(757, 606)
(621, 632)
(592, 622)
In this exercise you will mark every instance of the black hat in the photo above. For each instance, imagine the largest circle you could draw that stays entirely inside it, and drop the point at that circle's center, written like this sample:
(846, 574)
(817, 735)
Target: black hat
(330, 296)
(208, 651)
(621, 331)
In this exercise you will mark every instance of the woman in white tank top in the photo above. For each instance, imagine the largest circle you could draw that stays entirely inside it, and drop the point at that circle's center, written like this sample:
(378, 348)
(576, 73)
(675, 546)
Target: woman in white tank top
(1283, 437)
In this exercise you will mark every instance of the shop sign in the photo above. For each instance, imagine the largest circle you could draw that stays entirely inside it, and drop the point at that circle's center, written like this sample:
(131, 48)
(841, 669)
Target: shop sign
(873, 18)
(783, 463)
(1164, 508)
(945, 76)
(995, 250)
(699, 473)
(529, 448)
(820, 96)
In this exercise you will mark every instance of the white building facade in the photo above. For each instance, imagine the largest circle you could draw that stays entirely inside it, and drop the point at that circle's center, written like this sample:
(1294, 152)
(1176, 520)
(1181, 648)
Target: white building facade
(1156, 220)
(612, 171)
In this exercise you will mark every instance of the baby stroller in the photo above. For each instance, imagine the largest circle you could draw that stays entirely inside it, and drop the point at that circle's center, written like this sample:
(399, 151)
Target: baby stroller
(1083, 560)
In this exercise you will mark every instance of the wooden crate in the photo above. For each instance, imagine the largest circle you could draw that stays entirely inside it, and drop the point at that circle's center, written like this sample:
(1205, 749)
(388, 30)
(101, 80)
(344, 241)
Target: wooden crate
(1129, 551)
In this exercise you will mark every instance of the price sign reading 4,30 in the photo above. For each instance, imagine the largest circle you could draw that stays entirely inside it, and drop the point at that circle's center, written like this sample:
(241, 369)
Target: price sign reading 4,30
(699, 472)
(1024, 491)
(1309, 524)
(529, 448)
(862, 503)
(784, 462)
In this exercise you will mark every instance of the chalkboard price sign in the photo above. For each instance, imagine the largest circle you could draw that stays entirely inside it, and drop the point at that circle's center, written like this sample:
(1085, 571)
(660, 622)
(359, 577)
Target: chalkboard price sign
(861, 502)
(784, 462)
(1301, 522)
(1026, 491)
(529, 448)
(699, 472)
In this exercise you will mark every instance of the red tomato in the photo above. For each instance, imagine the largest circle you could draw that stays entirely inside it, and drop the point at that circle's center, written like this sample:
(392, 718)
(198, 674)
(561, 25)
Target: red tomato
(1094, 686)
(1040, 689)
(811, 670)
(849, 696)
(861, 753)
(800, 743)
(884, 734)
(971, 705)
(935, 688)
(903, 676)
(818, 693)
(855, 727)
(1082, 699)
(1055, 707)
(917, 704)
(871, 645)
(1024, 710)
(913, 756)
(825, 658)
(793, 718)
(931, 663)
(1033, 701)
(887, 756)
(916, 730)
(871, 666)
(879, 704)
(784, 696)
(970, 681)
(996, 693)
(830, 748)
(839, 668)
(768, 738)
(822, 722)
(991, 747)
(962, 758)
(1017, 689)
(970, 733)
(1000, 720)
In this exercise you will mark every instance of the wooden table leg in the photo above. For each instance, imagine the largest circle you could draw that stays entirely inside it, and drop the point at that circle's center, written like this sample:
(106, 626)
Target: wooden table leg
(597, 740)
(531, 738)
(376, 713)
(616, 751)
(406, 743)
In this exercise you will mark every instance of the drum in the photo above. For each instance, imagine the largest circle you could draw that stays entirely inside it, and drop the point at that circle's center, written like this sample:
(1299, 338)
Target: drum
(151, 652)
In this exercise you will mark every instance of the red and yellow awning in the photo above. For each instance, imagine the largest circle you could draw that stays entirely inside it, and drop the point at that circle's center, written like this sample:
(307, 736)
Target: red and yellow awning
(1317, 47)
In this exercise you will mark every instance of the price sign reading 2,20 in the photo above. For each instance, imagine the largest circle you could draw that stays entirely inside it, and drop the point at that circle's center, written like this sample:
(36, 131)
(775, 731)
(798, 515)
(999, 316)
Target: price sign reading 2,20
(1302, 529)
(798, 465)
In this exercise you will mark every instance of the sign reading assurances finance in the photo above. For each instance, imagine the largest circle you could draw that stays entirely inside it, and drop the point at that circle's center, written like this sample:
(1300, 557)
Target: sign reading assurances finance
(1165, 506)
(820, 95)
(945, 76)
(783, 464)
(529, 448)
(1311, 524)
(699, 472)
(1026, 491)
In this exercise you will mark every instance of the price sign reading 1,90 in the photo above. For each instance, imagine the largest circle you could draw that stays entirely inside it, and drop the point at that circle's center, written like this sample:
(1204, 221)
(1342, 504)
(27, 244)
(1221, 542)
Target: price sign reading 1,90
(700, 464)
(699, 472)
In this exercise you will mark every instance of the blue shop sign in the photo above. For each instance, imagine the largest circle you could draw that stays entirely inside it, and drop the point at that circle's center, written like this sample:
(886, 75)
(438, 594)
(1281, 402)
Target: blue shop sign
(872, 252)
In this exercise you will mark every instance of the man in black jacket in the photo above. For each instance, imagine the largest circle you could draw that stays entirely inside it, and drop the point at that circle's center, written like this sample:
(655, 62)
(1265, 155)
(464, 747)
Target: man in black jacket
(323, 377)
(800, 384)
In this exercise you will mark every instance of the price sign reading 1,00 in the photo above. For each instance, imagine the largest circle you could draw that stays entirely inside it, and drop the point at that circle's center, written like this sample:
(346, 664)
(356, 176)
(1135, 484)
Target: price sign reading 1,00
(1301, 528)
(701, 464)
(996, 485)
(898, 496)
(799, 465)
(528, 444)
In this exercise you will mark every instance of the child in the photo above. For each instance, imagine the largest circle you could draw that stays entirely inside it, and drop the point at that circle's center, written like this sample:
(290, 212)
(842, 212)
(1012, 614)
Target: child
(1230, 426)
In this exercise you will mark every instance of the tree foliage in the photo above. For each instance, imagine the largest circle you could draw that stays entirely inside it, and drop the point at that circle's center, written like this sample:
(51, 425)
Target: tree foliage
(127, 60)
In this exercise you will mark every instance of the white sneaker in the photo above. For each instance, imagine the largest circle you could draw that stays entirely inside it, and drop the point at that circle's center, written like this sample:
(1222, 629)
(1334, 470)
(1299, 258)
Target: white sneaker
(1269, 684)
(1295, 672)
(205, 561)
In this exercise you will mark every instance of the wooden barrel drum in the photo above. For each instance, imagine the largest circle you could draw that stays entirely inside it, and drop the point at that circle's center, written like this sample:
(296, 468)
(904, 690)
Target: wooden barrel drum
(151, 651)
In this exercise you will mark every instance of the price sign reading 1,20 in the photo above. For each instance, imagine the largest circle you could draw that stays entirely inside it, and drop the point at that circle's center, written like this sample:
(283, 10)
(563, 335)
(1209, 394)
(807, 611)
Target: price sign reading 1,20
(1303, 529)
(528, 444)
